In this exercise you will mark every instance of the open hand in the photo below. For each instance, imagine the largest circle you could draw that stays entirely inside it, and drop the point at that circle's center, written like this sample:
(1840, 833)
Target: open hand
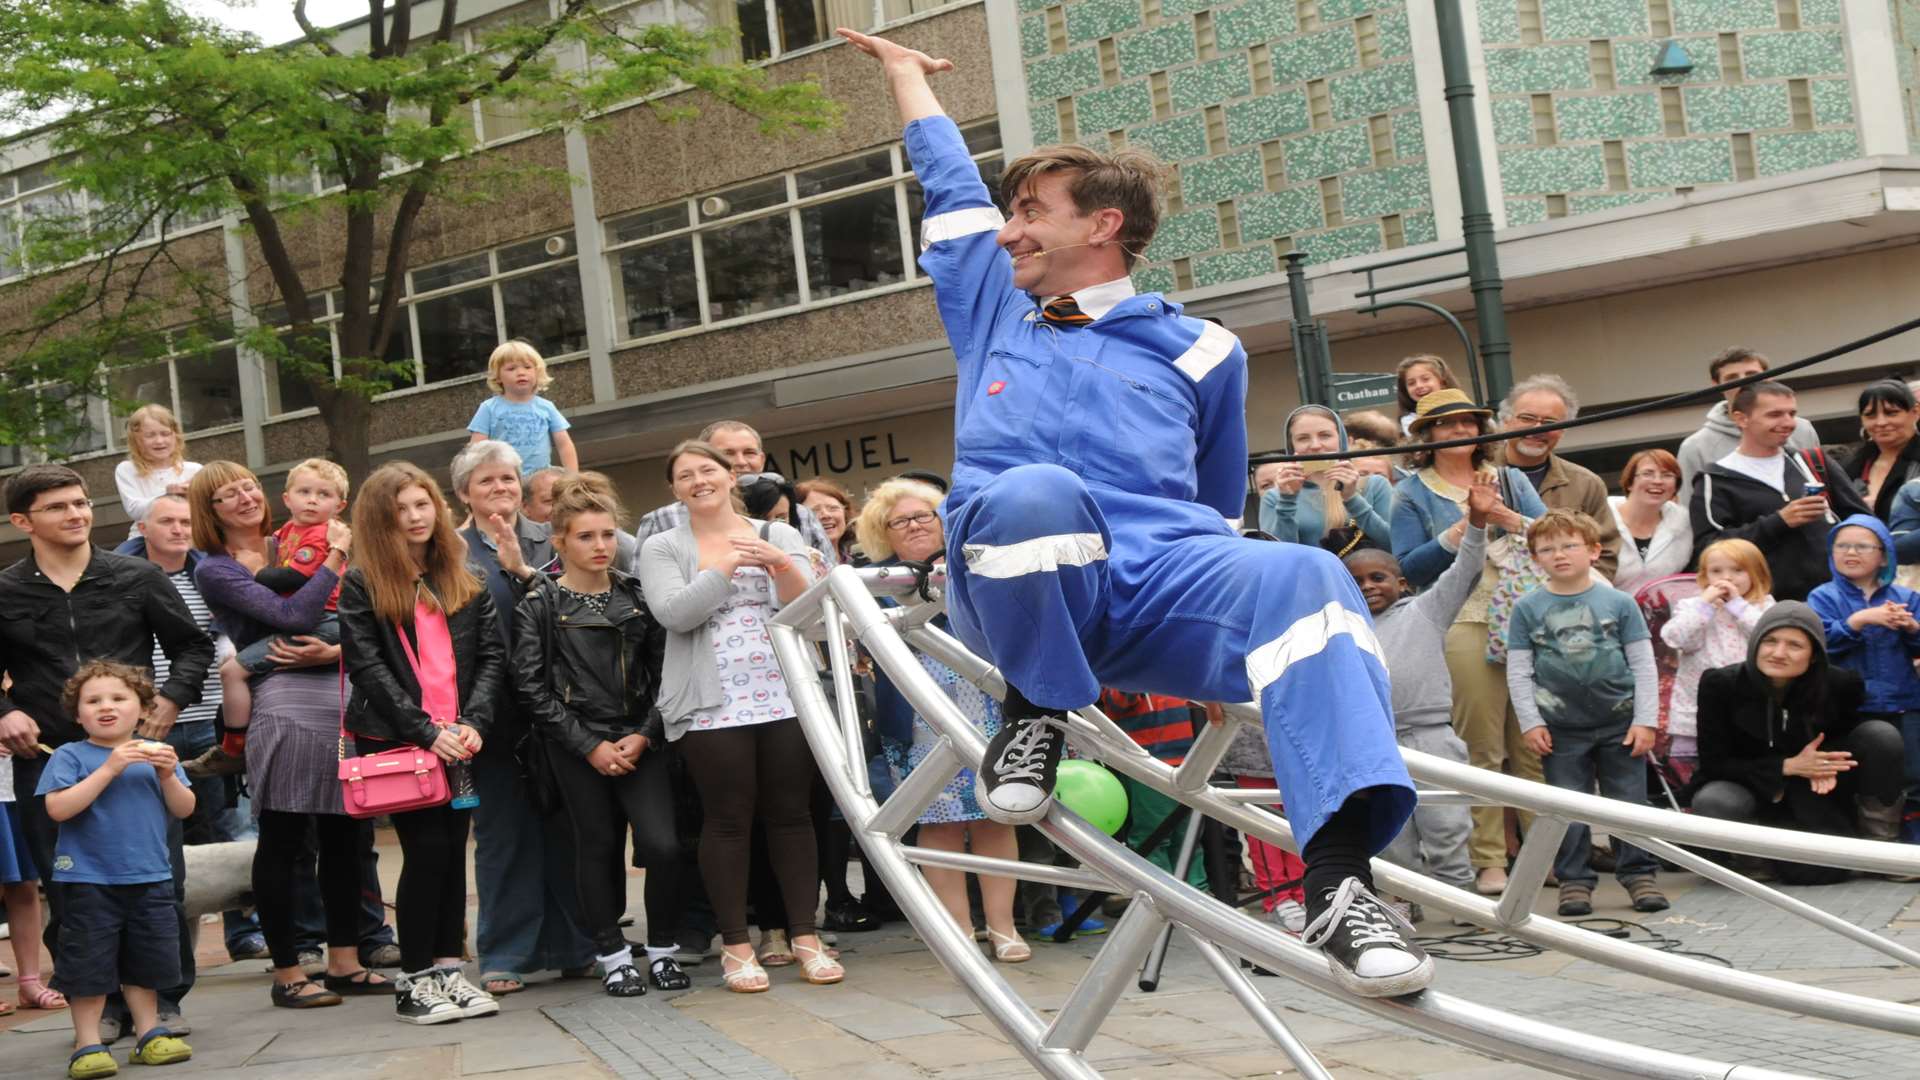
(1814, 763)
(1482, 500)
(892, 54)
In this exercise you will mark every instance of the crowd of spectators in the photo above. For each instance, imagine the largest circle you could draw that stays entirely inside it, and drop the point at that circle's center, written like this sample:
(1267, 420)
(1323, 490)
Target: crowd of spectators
(1736, 617)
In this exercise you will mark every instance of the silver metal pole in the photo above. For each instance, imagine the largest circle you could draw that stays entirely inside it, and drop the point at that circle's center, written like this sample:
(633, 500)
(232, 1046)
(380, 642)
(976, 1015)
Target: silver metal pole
(966, 861)
(840, 661)
(1530, 870)
(1150, 972)
(1080, 1017)
(1249, 997)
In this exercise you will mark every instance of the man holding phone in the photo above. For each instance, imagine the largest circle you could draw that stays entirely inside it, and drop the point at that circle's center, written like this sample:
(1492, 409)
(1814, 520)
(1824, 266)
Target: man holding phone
(1783, 501)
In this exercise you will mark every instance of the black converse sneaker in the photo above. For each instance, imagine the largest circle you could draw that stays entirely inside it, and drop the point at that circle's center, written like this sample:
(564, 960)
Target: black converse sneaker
(1015, 782)
(468, 998)
(1368, 944)
(421, 1000)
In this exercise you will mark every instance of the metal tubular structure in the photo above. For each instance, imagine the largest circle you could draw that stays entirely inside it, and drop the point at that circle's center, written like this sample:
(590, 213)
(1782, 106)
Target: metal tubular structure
(1053, 1048)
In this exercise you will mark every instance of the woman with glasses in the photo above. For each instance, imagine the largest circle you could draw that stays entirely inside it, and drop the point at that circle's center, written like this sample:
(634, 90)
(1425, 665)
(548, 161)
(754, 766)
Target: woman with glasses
(899, 524)
(713, 582)
(292, 741)
(1656, 535)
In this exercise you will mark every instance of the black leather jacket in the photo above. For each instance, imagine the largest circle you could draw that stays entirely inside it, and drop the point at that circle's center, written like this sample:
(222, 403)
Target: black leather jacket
(385, 704)
(585, 677)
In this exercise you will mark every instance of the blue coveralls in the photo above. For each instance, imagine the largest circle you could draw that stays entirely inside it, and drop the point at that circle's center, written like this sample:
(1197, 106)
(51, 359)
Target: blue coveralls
(1086, 534)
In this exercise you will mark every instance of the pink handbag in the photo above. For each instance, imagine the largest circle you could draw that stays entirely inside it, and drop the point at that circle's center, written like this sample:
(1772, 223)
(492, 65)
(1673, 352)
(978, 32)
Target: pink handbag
(392, 781)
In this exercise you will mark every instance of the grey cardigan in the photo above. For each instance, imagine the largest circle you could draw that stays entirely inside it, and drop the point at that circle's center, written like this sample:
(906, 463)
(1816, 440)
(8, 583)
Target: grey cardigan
(683, 596)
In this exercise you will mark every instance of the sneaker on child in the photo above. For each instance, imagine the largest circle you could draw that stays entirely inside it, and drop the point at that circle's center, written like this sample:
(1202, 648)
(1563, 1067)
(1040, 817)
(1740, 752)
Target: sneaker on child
(468, 998)
(421, 999)
(1015, 781)
(1291, 914)
(1368, 945)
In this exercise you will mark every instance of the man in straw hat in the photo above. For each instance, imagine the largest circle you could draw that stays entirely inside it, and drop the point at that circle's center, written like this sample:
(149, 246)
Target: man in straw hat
(1100, 446)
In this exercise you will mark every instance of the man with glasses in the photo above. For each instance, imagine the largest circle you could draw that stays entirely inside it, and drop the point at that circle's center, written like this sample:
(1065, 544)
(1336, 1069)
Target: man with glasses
(68, 602)
(1547, 399)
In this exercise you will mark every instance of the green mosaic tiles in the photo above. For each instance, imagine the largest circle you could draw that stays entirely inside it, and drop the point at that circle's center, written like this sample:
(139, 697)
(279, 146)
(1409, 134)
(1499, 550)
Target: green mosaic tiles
(1052, 77)
(1819, 12)
(1033, 36)
(1369, 93)
(1185, 234)
(1206, 84)
(1342, 243)
(1280, 213)
(1314, 56)
(1157, 49)
(1707, 16)
(1153, 279)
(1633, 62)
(1262, 118)
(1675, 162)
(1234, 265)
(1114, 108)
(1175, 9)
(1396, 35)
(1046, 123)
(1562, 20)
(1337, 10)
(1551, 169)
(1325, 153)
(1499, 20)
(1512, 121)
(1254, 22)
(1538, 68)
(1036, 5)
(1607, 116)
(1793, 54)
(1419, 229)
(1525, 212)
(1775, 154)
(1222, 178)
(1089, 20)
(1832, 101)
(1385, 191)
(1409, 140)
(1177, 139)
(1588, 204)
(1738, 108)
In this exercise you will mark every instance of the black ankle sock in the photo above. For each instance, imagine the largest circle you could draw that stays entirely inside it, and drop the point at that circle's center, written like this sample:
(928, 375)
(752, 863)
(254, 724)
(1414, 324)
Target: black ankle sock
(1337, 852)
(1017, 707)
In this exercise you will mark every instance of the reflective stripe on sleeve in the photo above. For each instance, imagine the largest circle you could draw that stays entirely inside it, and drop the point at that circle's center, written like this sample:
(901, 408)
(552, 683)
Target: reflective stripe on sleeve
(1042, 554)
(1307, 637)
(955, 224)
(1214, 344)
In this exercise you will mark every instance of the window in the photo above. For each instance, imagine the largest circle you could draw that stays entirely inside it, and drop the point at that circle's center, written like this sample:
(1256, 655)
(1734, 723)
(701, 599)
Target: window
(820, 233)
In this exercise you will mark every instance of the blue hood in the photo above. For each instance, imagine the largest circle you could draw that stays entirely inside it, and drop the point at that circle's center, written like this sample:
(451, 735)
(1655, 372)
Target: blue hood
(1286, 431)
(1888, 562)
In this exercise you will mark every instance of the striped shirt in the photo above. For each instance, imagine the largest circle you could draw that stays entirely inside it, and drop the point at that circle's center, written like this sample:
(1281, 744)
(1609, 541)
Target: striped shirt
(210, 693)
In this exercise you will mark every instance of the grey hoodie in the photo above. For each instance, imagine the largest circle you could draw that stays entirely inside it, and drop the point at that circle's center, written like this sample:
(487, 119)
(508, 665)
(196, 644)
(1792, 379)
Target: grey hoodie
(1787, 613)
(1413, 638)
(1719, 436)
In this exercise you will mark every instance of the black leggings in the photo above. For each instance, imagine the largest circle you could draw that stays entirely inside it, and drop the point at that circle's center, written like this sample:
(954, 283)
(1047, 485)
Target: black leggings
(601, 809)
(430, 908)
(758, 770)
(283, 836)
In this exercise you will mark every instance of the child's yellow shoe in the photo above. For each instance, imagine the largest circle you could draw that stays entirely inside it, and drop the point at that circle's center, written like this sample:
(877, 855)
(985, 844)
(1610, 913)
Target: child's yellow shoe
(89, 1062)
(160, 1047)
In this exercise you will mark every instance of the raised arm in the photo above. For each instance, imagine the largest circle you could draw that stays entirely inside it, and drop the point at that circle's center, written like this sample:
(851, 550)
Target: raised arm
(906, 70)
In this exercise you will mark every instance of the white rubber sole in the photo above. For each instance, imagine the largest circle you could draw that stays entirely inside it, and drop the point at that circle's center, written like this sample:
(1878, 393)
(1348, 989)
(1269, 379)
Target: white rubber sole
(1407, 982)
(1004, 816)
(447, 1017)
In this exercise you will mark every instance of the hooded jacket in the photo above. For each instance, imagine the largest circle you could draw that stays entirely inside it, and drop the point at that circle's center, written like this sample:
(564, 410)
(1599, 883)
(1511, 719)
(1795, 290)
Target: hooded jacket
(1748, 727)
(1719, 436)
(1298, 520)
(1882, 657)
(1729, 505)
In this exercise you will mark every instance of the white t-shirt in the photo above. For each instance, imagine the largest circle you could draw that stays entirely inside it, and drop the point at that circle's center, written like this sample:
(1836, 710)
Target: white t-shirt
(138, 492)
(1771, 471)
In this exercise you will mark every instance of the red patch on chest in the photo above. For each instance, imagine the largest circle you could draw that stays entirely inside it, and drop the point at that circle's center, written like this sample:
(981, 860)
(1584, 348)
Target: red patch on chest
(995, 387)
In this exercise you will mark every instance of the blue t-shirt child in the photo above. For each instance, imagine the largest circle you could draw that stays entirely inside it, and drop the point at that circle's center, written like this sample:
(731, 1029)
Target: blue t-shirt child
(527, 426)
(122, 838)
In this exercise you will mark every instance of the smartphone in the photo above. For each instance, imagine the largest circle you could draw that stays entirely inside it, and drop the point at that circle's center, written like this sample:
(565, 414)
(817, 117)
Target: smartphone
(1311, 467)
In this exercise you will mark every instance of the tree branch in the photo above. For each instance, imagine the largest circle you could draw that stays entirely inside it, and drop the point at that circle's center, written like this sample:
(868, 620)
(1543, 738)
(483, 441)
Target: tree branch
(402, 36)
(313, 36)
(449, 15)
(377, 29)
(512, 67)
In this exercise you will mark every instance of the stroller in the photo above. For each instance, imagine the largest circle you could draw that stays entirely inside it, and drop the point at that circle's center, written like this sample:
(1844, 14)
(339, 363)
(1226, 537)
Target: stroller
(1657, 599)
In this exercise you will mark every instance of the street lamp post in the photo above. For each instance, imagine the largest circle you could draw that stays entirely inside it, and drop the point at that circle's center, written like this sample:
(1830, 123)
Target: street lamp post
(1476, 218)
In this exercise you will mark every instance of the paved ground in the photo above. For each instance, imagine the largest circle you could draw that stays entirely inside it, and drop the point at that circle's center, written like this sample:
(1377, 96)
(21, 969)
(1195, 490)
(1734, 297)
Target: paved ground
(900, 1016)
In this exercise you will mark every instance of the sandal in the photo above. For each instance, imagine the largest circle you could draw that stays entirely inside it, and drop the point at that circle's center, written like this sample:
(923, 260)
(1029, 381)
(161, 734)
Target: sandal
(1009, 948)
(160, 1047)
(819, 968)
(512, 982)
(747, 978)
(292, 996)
(361, 983)
(624, 981)
(774, 950)
(35, 994)
(666, 975)
(90, 1062)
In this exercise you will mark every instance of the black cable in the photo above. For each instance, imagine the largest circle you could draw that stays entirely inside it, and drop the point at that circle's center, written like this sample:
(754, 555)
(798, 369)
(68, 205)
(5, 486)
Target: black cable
(1478, 945)
(1682, 398)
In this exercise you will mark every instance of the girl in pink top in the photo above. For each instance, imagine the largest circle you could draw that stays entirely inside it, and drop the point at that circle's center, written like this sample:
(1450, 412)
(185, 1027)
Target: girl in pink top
(1711, 630)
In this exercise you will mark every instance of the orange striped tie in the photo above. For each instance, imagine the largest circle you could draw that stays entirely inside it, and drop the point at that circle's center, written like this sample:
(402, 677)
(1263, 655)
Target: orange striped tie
(1065, 312)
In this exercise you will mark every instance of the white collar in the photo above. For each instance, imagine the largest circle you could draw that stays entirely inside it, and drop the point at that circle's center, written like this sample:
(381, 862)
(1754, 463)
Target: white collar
(1097, 300)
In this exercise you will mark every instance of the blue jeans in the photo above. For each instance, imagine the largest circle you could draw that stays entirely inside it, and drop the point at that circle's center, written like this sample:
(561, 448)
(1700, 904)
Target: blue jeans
(523, 870)
(1582, 756)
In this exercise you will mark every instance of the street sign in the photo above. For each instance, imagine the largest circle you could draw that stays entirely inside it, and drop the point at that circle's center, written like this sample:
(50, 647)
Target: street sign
(1362, 390)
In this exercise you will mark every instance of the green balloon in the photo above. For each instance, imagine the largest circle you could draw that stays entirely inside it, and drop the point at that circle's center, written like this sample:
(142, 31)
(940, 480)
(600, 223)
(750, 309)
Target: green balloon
(1088, 789)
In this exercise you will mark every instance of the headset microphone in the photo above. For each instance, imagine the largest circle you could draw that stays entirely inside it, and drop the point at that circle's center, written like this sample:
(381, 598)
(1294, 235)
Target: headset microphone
(1048, 251)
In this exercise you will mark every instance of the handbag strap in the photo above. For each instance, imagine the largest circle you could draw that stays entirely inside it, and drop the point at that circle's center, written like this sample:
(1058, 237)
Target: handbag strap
(413, 661)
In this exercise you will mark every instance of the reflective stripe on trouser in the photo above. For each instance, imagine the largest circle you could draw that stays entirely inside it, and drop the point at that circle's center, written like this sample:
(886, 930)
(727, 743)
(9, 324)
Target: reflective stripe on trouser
(1180, 605)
